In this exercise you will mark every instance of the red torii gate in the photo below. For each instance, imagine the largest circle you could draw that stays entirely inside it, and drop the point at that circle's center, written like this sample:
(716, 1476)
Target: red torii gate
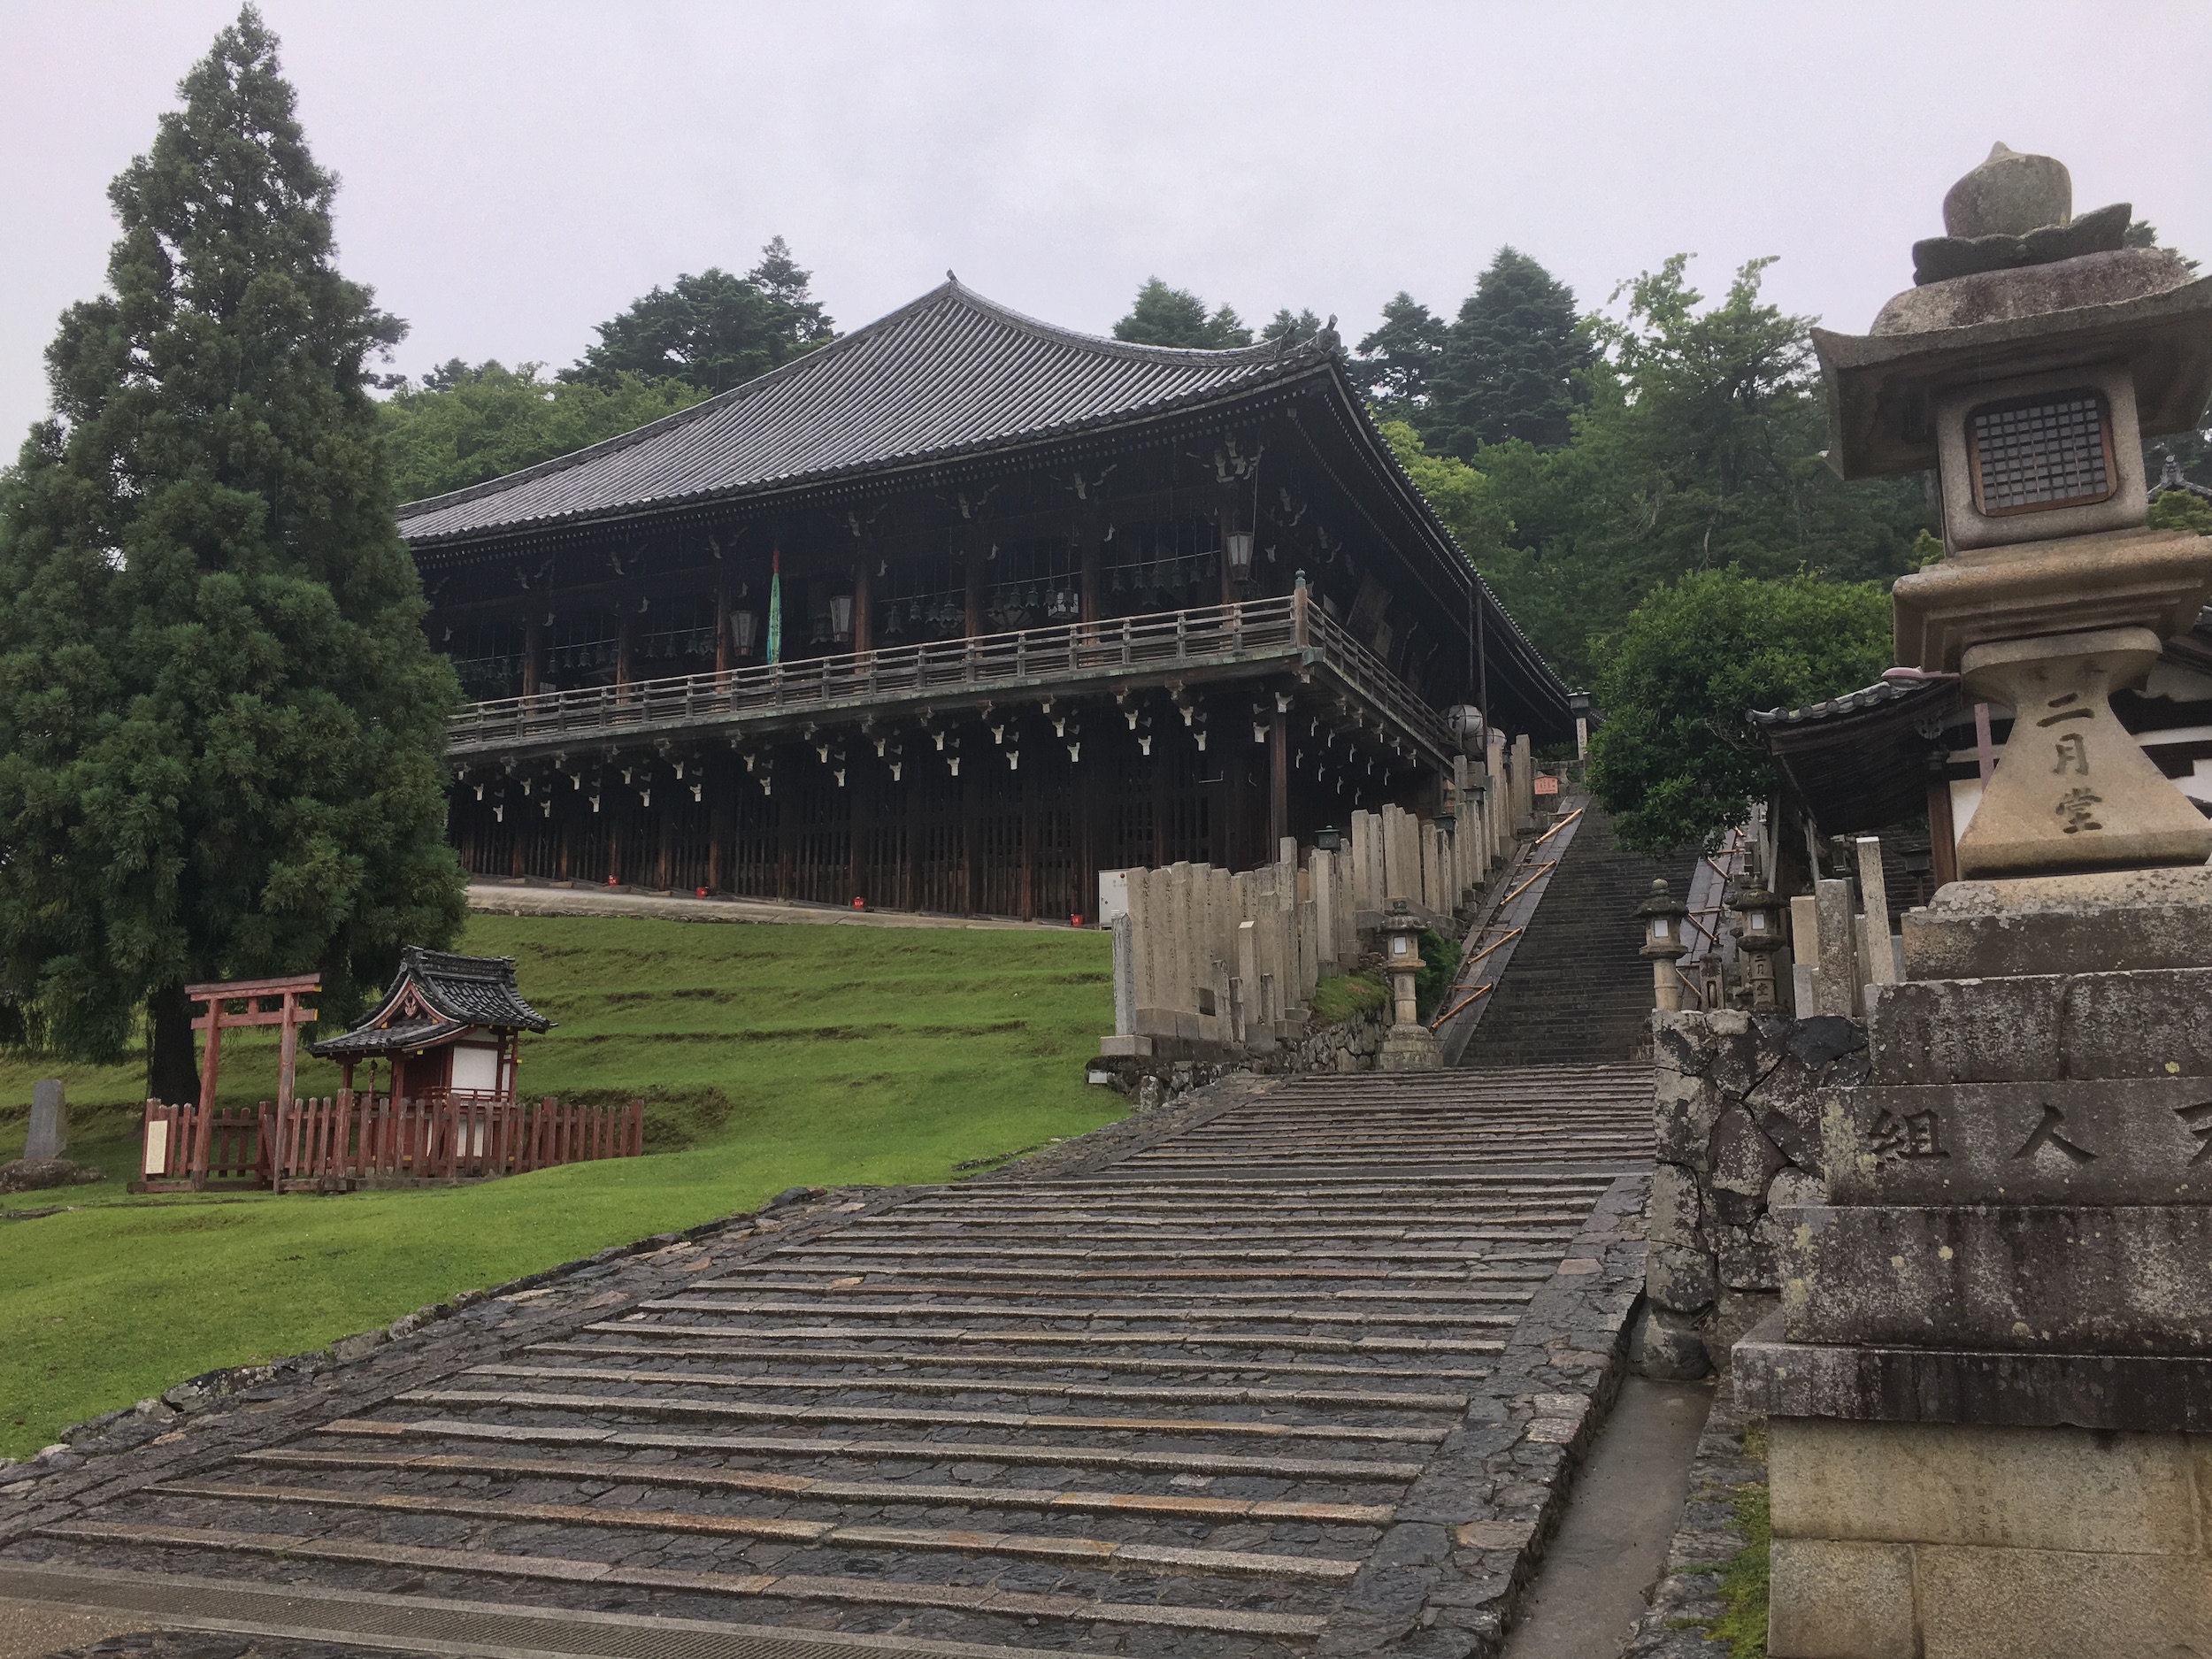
(185, 1167)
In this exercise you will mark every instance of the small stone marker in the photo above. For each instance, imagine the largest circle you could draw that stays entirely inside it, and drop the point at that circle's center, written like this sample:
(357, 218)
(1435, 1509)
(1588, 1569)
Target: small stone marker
(50, 1120)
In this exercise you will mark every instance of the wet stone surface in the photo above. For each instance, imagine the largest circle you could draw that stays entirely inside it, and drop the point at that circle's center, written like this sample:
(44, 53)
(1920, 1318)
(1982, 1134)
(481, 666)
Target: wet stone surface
(1289, 1367)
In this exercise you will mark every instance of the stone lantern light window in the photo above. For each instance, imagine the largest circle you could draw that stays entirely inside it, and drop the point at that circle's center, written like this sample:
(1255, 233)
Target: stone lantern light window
(2030, 455)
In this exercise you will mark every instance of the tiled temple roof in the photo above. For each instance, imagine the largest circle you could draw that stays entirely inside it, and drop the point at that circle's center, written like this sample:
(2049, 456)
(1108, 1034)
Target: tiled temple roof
(459, 991)
(950, 373)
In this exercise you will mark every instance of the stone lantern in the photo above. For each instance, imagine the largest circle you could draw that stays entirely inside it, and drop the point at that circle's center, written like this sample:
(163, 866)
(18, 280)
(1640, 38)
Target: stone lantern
(1758, 931)
(1663, 916)
(1408, 1045)
(2007, 1288)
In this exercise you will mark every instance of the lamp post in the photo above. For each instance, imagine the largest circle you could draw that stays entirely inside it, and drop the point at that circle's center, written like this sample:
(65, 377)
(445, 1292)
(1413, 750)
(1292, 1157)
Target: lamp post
(1578, 705)
(1662, 915)
(1758, 930)
(1410, 1045)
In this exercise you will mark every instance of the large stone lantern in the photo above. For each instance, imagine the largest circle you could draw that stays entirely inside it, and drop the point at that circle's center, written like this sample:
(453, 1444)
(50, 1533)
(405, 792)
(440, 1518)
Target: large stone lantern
(1408, 1045)
(1992, 1355)
(1663, 916)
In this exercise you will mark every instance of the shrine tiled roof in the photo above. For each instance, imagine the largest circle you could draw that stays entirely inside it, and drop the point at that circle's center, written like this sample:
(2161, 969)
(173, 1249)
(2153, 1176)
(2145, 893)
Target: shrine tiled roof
(458, 992)
(950, 373)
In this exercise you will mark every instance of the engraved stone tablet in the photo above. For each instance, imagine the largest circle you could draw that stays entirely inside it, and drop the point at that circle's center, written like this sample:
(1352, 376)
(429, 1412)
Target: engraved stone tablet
(50, 1120)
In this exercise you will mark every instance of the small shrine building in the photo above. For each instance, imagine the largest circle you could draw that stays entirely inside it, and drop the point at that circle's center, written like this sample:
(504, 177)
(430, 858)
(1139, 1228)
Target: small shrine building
(449, 1029)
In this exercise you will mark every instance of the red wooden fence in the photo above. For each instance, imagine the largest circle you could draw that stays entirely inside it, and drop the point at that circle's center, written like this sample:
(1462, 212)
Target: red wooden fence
(335, 1144)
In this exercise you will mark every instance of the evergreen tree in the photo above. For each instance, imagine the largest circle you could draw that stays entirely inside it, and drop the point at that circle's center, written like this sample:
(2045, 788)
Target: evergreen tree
(221, 727)
(1297, 327)
(1509, 362)
(1400, 358)
(713, 330)
(469, 422)
(1163, 316)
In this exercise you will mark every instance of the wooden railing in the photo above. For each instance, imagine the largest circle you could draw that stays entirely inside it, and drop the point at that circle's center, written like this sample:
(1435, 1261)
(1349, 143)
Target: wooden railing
(1288, 627)
(333, 1144)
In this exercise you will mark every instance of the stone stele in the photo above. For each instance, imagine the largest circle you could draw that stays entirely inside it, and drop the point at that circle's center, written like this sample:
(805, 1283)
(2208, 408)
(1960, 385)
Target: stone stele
(50, 1120)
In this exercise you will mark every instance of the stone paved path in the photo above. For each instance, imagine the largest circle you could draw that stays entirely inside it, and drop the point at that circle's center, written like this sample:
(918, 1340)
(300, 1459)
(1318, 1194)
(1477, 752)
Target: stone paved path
(1301, 1373)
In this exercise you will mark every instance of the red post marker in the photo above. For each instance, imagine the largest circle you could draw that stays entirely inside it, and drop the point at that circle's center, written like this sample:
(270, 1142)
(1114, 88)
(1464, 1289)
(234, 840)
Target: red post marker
(611, 882)
(702, 891)
(859, 904)
(1076, 920)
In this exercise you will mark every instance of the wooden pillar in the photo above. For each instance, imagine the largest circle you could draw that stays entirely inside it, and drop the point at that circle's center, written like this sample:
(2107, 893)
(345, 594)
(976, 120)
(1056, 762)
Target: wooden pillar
(1943, 847)
(614, 852)
(1029, 842)
(718, 832)
(971, 580)
(1277, 780)
(533, 649)
(622, 635)
(863, 610)
(971, 842)
(567, 856)
(722, 622)
(856, 816)
(288, 1052)
(1088, 546)
(661, 851)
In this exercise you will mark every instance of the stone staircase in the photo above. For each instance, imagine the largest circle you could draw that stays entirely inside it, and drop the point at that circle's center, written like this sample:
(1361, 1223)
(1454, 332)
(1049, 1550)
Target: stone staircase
(1577, 992)
(1215, 1392)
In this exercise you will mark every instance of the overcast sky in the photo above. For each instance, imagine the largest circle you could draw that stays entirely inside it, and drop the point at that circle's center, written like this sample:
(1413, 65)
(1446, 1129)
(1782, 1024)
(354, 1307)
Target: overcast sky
(513, 173)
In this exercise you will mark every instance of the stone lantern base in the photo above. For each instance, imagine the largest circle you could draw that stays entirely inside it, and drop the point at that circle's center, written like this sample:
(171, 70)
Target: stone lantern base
(1408, 1049)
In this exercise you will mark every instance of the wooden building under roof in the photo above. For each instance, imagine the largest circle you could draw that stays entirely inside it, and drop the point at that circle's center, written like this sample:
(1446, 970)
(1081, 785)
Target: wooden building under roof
(1049, 604)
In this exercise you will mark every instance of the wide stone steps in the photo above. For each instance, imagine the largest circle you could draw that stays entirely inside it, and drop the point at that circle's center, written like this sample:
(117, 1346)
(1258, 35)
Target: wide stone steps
(1169, 1407)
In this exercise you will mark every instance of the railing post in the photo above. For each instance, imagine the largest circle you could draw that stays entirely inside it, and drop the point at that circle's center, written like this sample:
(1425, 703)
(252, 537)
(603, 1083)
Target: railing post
(1300, 604)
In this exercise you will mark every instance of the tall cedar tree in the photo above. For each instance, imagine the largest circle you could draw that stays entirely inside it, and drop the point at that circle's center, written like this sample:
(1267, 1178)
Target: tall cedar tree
(1163, 316)
(1400, 358)
(1510, 363)
(712, 331)
(221, 727)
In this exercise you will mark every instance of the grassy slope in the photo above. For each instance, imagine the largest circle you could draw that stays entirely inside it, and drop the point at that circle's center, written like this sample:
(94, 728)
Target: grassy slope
(845, 1055)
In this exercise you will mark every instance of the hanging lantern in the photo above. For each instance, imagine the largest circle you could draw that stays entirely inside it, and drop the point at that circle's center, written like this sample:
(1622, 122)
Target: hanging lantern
(744, 628)
(841, 617)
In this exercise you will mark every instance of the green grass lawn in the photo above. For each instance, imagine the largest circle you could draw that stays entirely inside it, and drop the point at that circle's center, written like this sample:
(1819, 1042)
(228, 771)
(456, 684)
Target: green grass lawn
(772, 1057)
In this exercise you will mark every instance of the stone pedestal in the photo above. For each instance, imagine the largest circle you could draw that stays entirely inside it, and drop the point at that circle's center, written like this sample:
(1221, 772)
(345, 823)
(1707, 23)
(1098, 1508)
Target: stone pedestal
(50, 1120)
(1990, 1379)
(1408, 1049)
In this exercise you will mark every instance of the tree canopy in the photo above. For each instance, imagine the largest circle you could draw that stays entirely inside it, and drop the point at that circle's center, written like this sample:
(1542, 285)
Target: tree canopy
(221, 725)
(1676, 760)
(1700, 450)
(467, 423)
(711, 331)
(1163, 316)
(1512, 362)
(1399, 360)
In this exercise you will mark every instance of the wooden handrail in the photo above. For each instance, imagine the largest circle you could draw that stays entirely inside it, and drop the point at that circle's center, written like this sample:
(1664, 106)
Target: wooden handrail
(1246, 630)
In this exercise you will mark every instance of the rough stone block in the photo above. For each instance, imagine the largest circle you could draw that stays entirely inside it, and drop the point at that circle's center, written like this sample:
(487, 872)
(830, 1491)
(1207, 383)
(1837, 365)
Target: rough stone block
(2137, 1025)
(1744, 1161)
(1684, 1129)
(2050, 1605)
(1749, 1258)
(1679, 1045)
(2116, 1141)
(1967, 1031)
(2137, 1392)
(1837, 1599)
(1680, 1279)
(2110, 921)
(1668, 1347)
(1676, 1213)
(1795, 1187)
(1994, 1488)
(2119, 1279)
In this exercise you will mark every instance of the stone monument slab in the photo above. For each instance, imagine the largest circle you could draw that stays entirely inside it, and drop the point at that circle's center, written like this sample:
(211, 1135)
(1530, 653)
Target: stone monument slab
(50, 1120)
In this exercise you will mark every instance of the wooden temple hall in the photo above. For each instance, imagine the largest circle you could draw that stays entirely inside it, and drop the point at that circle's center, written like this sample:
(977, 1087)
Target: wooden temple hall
(957, 612)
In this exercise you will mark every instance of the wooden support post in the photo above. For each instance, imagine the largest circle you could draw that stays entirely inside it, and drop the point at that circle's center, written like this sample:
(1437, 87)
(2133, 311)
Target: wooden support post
(532, 651)
(721, 626)
(864, 609)
(1277, 779)
(972, 583)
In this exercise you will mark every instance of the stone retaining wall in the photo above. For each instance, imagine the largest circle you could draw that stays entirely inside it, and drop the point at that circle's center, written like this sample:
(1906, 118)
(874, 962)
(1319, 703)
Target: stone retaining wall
(1349, 1045)
(1737, 1118)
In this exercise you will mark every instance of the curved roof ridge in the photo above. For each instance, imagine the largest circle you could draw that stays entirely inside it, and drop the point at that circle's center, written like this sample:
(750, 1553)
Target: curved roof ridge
(952, 289)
